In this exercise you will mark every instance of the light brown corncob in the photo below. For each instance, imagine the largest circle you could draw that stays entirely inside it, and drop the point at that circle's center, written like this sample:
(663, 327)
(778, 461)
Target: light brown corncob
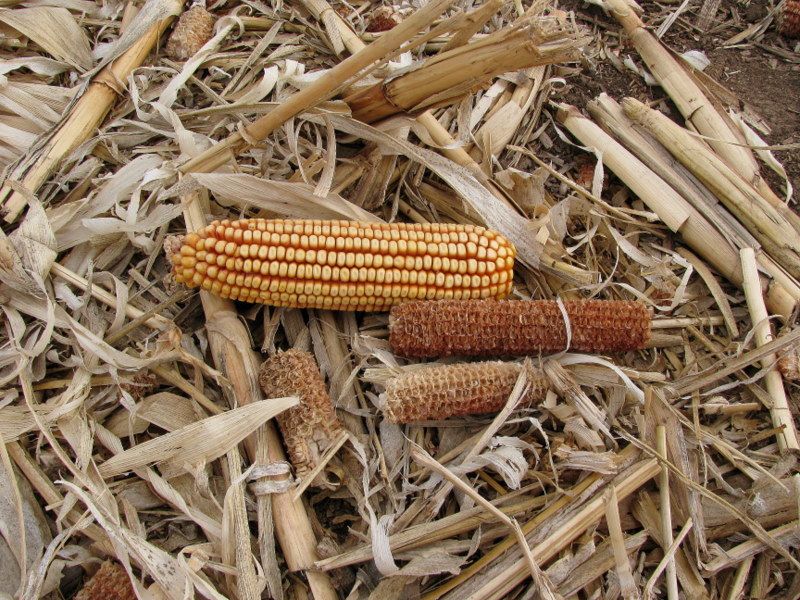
(789, 19)
(457, 390)
(789, 364)
(345, 265)
(312, 426)
(110, 582)
(195, 27)
(516, 327)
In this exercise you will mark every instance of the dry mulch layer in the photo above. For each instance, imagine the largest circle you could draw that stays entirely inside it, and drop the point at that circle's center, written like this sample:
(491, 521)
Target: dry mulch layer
(187, 411)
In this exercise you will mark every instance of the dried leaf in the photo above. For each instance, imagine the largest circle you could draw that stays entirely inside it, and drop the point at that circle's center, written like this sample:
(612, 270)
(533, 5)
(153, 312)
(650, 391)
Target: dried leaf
(199, 442)
(54, 29)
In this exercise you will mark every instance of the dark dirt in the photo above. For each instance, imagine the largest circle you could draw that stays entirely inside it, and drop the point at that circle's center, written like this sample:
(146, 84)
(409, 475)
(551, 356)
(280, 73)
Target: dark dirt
(764, 74)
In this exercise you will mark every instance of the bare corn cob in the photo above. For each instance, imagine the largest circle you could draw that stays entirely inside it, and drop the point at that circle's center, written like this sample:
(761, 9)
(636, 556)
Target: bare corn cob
(345, 265)
(312, 426)
(789, 364)
(457, 390)
(194, 29)
(516, 327)
(110, 582)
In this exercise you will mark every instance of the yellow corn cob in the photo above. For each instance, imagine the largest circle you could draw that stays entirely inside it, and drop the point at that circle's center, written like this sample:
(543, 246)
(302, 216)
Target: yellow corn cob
(312, 426)
(516, 327)
(110, 582)
(457, 390)
(345, 265)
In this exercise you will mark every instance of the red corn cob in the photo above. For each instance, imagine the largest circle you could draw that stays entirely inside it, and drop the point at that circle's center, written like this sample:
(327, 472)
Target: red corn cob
(516, 327)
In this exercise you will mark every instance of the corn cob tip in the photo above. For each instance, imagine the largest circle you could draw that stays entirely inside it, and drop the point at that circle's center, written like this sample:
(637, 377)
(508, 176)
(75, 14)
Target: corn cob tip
(344, 265)
(311, 427)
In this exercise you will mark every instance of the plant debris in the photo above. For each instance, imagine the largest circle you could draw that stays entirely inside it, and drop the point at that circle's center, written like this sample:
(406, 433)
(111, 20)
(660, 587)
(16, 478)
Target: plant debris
(606, 141)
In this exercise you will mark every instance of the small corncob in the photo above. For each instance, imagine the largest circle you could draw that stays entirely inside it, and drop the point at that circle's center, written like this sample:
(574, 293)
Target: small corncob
(788, 22)
(195, 27)
(457, 390)
(312, 426)
(110, 582)
(383, 18)
(345, 265)
(789, 364)
(516, 327)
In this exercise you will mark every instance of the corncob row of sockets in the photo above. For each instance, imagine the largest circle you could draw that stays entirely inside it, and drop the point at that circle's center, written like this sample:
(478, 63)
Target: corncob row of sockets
(457, 390)
(516, 327)
(195, 27)
(311, 427)
(345, 265)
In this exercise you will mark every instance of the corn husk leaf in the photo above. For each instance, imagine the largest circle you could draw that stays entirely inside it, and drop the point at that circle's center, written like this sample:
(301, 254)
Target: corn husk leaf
(199, 442)
(54, 29)
(284, 199)
(24, 532)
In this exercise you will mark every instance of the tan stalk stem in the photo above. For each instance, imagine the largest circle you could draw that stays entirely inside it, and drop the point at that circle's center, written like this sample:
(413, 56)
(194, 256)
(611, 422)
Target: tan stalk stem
(473, 23)
(627, 585)
(321, 89)
(751, 547)
(84, 118)
(501, 585)
(780, 411)
(669, 559)
(426, 460)
(770, 226)
(687, 95)
(666, 514)
(425, 534)
(739, 582)
(449, 75)
(339, 33)
(628, 482)
(680, 216)
(609, 114)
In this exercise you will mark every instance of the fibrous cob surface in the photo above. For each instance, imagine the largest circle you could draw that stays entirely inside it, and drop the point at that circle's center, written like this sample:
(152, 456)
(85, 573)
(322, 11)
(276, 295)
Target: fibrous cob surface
(312, 426)
(516, 327)
(194, 29)
(345, 265)
(110, 582)
(789, 364)
(457, 390)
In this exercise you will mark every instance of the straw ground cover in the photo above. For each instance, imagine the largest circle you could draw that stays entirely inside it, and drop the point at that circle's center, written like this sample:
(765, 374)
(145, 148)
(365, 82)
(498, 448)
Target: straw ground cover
(133, 427)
